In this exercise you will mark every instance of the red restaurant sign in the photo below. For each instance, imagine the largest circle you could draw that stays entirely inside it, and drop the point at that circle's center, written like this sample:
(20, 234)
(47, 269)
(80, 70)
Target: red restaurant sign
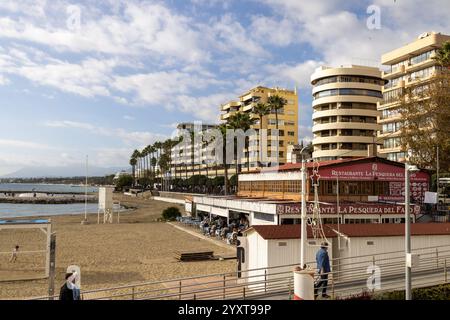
(369, 171)
(346, 208)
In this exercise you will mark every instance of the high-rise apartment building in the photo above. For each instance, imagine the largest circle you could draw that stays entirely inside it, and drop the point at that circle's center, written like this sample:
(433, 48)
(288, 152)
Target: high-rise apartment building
(409, 66)
(345, 111)
(287, 122)
(191, 157)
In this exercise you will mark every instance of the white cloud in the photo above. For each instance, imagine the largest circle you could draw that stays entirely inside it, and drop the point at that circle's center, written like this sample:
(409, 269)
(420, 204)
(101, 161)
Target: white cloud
(305, 134)
(290, 75)
(205, 108)
(3, 80)
(340, 36)
(140, 138)
(231, 37)
(143, 29)
(273, 31)
(129, 118)
(23, 144)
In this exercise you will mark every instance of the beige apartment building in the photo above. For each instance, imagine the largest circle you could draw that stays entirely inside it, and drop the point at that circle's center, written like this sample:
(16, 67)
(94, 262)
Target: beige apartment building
(409, 66)
(194, 157)
(287, 123)
(345, 111)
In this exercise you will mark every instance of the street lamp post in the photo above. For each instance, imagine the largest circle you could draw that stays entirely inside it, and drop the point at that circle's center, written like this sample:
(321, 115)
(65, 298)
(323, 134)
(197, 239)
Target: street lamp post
(408, 257)
(303, 212)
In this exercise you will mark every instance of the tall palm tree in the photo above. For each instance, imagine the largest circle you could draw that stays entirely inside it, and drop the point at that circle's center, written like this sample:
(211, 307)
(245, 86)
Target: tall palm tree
(443, 55)
(144, 155)
(261, 110)
(223, 130)
(152, 160)
(158, 146)
(133, 162)
(135, 156)
(276, 103)
(242, 120)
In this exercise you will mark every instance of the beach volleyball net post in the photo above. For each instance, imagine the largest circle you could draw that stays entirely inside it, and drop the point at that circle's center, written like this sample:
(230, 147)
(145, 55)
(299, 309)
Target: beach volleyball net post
(32, 259)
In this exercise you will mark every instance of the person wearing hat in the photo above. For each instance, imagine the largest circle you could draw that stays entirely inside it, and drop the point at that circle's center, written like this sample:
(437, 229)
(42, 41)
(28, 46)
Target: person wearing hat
(69, 291)
(323, 268)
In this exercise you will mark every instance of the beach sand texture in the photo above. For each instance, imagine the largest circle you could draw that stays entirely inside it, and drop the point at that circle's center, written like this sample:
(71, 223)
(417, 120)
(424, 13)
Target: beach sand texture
(138, 249)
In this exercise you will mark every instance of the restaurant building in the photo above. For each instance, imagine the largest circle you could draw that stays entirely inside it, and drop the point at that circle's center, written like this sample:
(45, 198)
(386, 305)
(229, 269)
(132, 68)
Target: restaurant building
(362, 190)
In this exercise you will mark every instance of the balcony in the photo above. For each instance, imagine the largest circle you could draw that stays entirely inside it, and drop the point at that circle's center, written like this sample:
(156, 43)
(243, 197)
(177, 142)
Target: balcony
(400, 84)
(422, 64)
(225, 116)
(231, 104)
(394, 73)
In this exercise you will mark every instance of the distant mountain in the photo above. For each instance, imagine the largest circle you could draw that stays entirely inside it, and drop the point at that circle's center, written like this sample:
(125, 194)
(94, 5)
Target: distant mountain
(62, 172)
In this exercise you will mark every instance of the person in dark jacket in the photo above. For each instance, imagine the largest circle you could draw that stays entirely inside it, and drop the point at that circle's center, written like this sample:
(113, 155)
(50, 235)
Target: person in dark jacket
(69, 291)
(323, 268)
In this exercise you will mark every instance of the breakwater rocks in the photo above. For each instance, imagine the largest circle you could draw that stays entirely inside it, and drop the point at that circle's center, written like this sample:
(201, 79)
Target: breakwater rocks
(48, 199)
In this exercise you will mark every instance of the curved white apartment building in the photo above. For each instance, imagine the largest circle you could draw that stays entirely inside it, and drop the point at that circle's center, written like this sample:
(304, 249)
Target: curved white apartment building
(345, 111)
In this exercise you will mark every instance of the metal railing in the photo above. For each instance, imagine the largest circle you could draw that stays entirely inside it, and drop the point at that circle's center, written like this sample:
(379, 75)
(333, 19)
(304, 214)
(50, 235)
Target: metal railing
(349, 276)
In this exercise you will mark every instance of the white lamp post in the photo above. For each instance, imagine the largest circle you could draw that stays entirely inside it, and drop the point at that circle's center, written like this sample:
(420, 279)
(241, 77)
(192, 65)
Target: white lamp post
(408, 258)
(303, 212)
(85, 221)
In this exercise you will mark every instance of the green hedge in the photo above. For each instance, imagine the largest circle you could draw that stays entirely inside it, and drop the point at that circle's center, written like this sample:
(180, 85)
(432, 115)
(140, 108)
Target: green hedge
(441, 292)
(171, 213)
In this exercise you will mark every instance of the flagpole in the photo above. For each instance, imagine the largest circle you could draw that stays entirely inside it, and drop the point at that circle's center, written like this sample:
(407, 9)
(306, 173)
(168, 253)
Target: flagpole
(85, 221)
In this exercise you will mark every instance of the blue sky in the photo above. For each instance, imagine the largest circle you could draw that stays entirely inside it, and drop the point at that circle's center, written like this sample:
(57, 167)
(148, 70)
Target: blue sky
(129, 70)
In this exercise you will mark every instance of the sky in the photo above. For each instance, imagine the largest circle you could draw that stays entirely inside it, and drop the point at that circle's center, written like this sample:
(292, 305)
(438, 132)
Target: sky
(102, 78)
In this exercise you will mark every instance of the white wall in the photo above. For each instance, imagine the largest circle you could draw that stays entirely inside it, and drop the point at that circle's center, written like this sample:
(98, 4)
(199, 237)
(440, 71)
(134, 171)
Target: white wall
(263, 253)
(257, 256)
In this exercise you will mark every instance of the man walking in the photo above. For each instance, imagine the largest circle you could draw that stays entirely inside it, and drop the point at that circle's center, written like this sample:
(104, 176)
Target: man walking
(69, 291)
(14, 254)
(323, 268)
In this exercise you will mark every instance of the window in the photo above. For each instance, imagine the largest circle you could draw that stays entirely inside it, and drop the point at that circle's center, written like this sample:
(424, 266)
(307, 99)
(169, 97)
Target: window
(291, 133)
(392, 143)
(424, 73)
(282, 244)
(264, 216)
(393, 95)
(352, 92)
(391, 127)
(390, 113)
(370, 243)
(422, 57)
(292, 186)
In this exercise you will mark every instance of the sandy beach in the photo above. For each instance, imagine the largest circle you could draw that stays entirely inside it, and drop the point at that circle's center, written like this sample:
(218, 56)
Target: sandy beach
(138, 249)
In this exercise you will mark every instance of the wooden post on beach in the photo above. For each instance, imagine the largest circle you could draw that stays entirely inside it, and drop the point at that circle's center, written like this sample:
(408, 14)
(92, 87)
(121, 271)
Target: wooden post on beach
(48, 249)
(52, 266)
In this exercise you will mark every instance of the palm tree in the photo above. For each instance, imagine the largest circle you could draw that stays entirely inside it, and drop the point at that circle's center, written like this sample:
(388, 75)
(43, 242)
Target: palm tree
(276, 103)
(144, 155)
(261, 110)
(242, 120)
(135, 156)
(443, 55)
(133, 162)
(152, 160)
(158, 146)
(223, 130)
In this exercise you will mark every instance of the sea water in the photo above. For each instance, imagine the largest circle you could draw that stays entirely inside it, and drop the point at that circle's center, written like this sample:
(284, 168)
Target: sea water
(11, 210)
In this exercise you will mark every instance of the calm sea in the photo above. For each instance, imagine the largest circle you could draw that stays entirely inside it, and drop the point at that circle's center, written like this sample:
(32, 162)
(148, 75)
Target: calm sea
(11, 210)
(21, 187)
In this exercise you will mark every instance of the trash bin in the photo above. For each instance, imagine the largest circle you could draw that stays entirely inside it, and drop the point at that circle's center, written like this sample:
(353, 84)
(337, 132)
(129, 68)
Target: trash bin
(304, 284)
